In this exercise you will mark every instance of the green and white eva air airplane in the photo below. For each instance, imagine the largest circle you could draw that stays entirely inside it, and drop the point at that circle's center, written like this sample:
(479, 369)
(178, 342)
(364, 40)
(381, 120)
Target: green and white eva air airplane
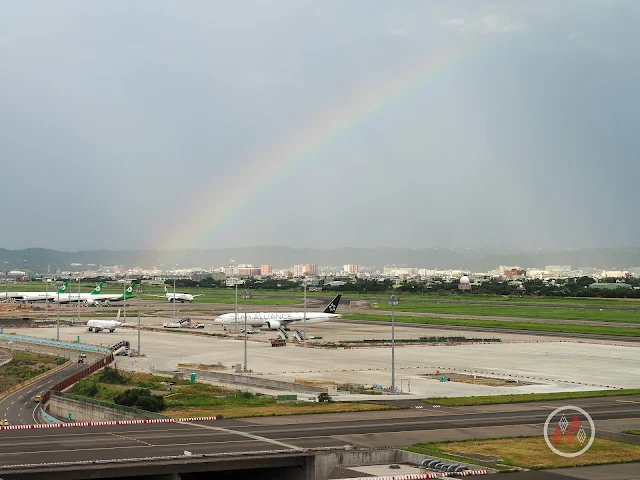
(33, 296)
(95, 296)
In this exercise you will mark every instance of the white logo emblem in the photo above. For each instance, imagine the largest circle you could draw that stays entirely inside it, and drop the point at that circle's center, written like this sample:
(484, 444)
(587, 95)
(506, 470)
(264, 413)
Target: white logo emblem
(98, 288)
(567, 431)
(130, 289)
(63, 288)
(332, 308)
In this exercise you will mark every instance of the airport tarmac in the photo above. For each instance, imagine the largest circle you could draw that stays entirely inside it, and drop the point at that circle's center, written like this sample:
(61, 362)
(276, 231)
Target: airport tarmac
(548, 365)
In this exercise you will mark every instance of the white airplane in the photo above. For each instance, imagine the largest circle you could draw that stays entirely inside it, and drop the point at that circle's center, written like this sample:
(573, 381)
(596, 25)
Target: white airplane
(274, 320)
(68, 297)
(34, 296)
(178, 297)
(99, 325)
(97, 297)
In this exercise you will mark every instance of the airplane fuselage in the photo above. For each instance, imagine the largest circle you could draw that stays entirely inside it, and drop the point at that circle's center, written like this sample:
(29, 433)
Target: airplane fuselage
(274, 319)
(99, 325)
(28, 296)
(179, 297)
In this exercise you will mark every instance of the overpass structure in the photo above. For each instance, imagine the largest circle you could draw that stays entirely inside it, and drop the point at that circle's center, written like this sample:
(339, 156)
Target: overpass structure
(151, 447)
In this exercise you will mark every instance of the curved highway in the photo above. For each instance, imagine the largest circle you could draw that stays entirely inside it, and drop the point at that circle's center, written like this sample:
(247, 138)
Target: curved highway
(19, 408)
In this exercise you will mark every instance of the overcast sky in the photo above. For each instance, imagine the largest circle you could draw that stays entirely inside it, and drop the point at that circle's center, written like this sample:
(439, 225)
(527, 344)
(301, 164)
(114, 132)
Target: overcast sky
(153, 124)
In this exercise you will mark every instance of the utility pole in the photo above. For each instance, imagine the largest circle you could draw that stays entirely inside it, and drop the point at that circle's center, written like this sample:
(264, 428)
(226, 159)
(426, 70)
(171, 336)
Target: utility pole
(174, 300)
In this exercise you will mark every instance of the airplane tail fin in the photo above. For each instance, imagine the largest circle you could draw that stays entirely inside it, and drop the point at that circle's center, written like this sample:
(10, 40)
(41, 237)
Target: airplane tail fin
(166, 290)
(118, 316)
(129, 291)
(333, 306)
(63, 288)
(96, 291)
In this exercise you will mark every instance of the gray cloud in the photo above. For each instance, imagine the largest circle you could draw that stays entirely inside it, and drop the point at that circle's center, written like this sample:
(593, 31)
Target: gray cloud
(120, 120)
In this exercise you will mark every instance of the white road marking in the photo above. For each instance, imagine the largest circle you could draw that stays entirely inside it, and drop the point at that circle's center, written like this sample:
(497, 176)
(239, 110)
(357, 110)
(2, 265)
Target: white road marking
(34, 414)
(244, 434)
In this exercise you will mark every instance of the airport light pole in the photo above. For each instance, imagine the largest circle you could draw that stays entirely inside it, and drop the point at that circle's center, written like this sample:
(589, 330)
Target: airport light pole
(174, 300)
(46, 298)
(58, 319)
(393, 301)
(245, 294)
(235, 328)
(78, 300)
(124, 299)
(305, 312)
(139, 296)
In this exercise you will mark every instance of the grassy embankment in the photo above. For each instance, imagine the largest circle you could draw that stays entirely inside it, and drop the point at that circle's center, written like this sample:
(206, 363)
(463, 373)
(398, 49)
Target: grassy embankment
(193, 399)
(529, 452)
(24, 366)
(503, 324)
(527, 397)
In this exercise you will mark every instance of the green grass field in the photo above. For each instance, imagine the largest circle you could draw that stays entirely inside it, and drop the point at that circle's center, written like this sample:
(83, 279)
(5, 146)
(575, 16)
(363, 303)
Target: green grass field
(527, 397)
(87, 287)
(531, 326)
(528, 452)
(192, 399)
(525, 312)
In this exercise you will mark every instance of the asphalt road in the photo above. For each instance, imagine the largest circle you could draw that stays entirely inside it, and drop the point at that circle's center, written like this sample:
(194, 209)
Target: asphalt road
(19, 407)
(19, 447)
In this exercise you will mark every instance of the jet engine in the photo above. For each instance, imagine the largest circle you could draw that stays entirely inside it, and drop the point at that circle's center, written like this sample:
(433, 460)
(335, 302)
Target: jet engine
(273, 324)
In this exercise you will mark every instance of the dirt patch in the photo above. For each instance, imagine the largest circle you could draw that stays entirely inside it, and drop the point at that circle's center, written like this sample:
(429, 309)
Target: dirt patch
(477, 380)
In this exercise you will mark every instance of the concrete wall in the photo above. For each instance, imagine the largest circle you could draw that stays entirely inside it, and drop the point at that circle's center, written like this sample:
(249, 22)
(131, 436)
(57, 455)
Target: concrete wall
(60, 407)
(253, 381)
(326, 462)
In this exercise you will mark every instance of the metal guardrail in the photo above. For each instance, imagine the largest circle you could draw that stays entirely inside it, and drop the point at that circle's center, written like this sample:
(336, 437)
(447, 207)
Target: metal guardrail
(55, 343)
(48, 418)
(113, 406)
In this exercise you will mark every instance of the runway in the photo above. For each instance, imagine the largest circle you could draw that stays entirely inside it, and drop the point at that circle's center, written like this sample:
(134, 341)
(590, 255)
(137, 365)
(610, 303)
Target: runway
(18, 447)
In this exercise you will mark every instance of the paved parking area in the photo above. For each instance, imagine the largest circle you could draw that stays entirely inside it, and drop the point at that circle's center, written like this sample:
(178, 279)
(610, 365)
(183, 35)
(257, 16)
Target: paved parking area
(550, 365)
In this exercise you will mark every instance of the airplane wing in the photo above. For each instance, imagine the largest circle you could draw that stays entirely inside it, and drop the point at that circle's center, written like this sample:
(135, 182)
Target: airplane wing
(198, 295)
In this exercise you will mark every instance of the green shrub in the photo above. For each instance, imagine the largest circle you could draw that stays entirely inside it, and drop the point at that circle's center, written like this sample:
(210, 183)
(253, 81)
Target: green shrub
(140, 398)
(113, 376)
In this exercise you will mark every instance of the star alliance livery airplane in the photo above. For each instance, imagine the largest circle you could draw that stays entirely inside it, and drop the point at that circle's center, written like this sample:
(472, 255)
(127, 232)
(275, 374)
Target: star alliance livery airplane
(273, 320)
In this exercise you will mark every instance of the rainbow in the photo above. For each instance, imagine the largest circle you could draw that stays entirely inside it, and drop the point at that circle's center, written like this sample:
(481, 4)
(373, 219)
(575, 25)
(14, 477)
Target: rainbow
(267, 167)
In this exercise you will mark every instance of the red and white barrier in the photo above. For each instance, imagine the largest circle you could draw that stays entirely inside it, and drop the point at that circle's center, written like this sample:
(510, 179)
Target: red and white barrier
(101, 424)
(420, 476)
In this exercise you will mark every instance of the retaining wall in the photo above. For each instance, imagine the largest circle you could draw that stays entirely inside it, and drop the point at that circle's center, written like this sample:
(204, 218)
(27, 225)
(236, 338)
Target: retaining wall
(250, 381)
(84, 411)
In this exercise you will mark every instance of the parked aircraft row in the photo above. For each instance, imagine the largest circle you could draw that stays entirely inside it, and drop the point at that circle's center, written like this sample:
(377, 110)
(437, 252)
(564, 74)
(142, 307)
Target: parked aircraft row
(269, 320)
(63, 296)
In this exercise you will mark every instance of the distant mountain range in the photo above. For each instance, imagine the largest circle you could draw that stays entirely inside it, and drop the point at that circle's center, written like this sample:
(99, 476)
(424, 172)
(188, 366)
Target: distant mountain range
(37, 259)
